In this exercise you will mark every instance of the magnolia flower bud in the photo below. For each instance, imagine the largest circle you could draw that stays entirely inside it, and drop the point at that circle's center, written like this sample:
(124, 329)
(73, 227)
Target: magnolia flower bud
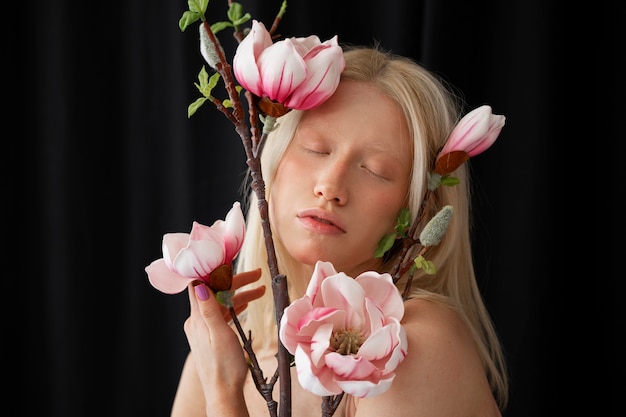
(436, 227)
(296, 73)
(205, 254)
(474, 133)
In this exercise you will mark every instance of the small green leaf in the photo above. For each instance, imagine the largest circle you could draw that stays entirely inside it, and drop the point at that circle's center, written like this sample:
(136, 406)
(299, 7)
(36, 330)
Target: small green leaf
(236, 15)
(283, 9)
(385, 244)
(208, 88)
(216, 27)
(207, 84)
(187, 19)
(243, 19)
(225, 298)
(428, 266)
(198, 6)
(203, 77)
(213, 80)
(449, 181)
(403, 222)
(193, 107)
(235, 11)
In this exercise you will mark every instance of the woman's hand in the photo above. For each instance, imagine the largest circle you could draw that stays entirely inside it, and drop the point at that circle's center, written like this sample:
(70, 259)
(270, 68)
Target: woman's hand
(218, 356)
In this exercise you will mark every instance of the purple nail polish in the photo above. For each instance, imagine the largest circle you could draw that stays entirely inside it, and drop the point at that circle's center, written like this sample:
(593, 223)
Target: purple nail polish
(202, 292)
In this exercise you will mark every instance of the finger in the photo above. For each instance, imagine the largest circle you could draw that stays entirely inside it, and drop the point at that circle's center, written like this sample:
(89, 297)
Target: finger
(208, 305)
(245, 278)
(241, 300)
(244, 297)
(193, 300)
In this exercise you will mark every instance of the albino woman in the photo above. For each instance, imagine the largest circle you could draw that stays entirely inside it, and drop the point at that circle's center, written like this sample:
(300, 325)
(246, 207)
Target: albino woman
(336, 178)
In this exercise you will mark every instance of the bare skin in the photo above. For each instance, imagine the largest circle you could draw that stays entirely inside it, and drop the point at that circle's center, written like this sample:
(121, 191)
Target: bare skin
(357, 162)
(207, 329)
(441, 376)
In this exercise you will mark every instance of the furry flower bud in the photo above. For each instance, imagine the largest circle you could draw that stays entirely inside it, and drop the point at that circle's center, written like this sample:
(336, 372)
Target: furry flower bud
(207, 48)
(436, 227)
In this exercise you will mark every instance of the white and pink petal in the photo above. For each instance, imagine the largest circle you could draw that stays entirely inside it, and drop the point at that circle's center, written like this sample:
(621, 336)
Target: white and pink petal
(319, 381)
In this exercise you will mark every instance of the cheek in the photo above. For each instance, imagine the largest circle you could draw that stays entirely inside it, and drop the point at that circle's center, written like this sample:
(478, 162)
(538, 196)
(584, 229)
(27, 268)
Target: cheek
(292, 175)
(288, 184)
(286, 175)
(386, 206)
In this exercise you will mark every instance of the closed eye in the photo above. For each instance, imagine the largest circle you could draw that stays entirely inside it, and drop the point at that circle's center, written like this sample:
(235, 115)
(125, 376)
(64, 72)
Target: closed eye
(375, 174)
(315, 151)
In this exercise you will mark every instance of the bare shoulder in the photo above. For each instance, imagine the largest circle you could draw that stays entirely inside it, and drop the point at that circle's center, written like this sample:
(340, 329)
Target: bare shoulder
(437, 330)
(442, 374)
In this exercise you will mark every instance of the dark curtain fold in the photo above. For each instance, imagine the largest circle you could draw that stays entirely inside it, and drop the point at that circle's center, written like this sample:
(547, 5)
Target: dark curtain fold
(111, 162)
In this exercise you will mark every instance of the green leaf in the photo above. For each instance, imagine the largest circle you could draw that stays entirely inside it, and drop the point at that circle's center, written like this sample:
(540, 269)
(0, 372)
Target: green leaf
(235, 11)
(198, 6)
(214, 79)
(216, 27)
(428, 266)
(449, 181)
(225, 298)
(187, 19)
(203, 78)
(207, 84)
(236, 15)
(243, 19)
(193, 107)
(403, 222)
(283, 9)
(385, 244)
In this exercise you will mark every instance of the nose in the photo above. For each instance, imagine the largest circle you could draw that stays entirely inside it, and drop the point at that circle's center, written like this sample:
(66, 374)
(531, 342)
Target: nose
(331, 183)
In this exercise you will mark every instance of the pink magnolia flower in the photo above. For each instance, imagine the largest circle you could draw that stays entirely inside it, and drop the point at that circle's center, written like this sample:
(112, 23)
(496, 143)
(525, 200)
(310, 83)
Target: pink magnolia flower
(474, 133)
(299, 73)
(206, 254)
(345, 333)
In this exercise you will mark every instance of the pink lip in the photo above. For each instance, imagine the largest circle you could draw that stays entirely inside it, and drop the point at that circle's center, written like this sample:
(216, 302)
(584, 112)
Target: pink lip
(321, 221)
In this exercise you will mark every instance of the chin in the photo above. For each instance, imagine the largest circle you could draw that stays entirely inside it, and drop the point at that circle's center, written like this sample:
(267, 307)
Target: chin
(310, 257)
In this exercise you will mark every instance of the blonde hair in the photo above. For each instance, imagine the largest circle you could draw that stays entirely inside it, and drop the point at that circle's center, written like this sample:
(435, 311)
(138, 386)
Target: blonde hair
(431, 110)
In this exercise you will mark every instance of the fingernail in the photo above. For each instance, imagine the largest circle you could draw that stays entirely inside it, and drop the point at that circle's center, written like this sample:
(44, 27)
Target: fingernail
(202, 292)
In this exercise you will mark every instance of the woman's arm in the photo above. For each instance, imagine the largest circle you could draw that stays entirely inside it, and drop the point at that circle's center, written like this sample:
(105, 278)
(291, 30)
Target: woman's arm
(189, 400)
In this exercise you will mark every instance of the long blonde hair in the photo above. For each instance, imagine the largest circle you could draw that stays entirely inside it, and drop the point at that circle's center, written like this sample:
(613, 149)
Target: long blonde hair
(431, 110)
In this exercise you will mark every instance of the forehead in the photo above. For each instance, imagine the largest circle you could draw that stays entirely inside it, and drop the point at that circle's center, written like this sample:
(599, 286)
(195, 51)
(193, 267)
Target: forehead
(362, 112)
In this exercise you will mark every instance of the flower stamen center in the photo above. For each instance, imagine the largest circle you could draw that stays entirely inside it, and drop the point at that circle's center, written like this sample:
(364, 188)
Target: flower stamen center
(346, 341)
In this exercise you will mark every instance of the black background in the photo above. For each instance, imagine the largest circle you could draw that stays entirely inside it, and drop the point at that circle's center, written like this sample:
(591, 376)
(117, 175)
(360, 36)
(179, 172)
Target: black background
(108, 161)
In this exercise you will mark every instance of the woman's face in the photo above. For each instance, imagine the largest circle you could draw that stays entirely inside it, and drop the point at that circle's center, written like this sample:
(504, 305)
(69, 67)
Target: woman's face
(343, 179)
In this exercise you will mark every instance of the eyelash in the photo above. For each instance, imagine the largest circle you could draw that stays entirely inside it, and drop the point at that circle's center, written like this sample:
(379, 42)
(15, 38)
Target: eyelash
(308, 150)
(369, 171)
(380, 177)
